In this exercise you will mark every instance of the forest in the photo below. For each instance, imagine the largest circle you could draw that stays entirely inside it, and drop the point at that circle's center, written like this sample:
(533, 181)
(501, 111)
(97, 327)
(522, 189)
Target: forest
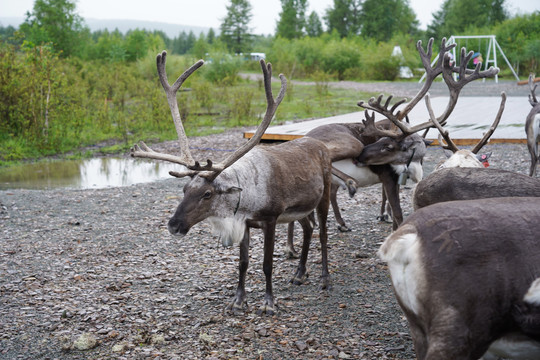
(64, 88)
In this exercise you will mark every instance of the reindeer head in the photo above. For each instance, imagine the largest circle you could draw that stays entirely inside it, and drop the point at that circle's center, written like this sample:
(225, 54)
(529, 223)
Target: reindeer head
(214, 190)
(404, 141)
(204, 199)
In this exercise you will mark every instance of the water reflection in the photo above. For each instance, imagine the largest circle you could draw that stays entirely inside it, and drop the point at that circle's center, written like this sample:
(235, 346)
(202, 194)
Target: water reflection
(84, 174)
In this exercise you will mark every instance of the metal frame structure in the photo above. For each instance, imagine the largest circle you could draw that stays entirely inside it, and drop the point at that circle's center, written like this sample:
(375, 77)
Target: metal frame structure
(491, 56)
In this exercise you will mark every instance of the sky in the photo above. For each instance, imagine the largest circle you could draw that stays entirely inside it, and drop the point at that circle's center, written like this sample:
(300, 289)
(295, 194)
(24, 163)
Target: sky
(210, 13)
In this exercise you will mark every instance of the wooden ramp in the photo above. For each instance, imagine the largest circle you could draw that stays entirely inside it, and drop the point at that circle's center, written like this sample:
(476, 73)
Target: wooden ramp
(468, 122)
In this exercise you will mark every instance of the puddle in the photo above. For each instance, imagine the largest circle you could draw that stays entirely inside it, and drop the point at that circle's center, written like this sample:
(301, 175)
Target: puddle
(84, 174)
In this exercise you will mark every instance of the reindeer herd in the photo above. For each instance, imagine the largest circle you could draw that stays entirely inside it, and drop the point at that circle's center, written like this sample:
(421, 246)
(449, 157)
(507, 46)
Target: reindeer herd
(465, 266)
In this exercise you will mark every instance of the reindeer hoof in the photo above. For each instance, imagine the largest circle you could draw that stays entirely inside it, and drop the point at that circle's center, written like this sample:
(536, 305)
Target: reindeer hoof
(325, 284)
(299, 278)
(291, 254)
(237, 307)
(351, 187)
(344, 228)
(384, 218)
(266, 310)
(267, 307)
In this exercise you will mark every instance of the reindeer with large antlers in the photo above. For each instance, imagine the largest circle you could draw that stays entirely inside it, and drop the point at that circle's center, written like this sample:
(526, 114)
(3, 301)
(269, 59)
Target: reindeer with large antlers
(532, 127)
(255, 187)
(377, 154)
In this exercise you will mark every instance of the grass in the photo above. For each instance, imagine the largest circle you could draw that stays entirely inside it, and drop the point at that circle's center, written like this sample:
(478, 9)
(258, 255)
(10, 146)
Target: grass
(240, 105)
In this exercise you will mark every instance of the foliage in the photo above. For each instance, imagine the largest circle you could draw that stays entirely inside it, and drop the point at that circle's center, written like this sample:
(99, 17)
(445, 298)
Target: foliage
(455, 16)
(223, 68)
(292, 19)
(235, 31)
(340, 56)
(54, 22)
(314, 25)
(381, 19)
(519, 39)
(344, 17)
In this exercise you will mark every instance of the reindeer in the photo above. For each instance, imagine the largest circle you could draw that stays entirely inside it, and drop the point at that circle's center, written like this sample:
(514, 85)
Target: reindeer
(466, 274)
(377, 153)
(347, 142)
(255, 187)
(464, 177)
(532, 127)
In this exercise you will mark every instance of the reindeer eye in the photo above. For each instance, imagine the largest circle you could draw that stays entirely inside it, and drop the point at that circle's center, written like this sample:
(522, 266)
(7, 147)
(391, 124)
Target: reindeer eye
(207, 194)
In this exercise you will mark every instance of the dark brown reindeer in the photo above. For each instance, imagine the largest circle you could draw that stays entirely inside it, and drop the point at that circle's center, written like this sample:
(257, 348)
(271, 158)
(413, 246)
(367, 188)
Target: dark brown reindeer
(255, 187)
(532, 127)
(347, 141)
(467, 276)
(377, 153)
(463, 177)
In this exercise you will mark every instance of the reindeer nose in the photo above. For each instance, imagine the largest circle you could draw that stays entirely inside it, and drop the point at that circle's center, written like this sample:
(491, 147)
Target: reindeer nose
(177, 227)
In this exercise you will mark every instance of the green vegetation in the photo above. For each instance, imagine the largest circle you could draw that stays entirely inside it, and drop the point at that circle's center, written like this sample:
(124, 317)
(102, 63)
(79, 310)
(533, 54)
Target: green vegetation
(63, 88)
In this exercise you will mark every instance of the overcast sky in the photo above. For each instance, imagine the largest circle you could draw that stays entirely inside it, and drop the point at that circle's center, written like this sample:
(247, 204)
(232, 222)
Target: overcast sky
(209, 13)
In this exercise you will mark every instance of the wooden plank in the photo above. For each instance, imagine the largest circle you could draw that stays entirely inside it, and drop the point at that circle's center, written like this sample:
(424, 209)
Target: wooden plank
(471, 117)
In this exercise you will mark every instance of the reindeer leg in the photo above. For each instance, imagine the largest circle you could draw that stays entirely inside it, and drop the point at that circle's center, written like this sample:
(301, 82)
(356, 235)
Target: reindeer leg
(384, 216)
(391, 188)
(301, 274)
(533, 150)
(337, 214)
(237, 305)
(322, 213)
(269, 239)
(290, 253)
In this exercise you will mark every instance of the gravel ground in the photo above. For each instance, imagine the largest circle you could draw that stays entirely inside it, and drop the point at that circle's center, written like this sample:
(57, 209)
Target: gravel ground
(94, 274)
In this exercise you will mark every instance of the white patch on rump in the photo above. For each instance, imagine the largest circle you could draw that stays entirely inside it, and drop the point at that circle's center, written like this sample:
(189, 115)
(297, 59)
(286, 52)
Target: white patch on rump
(230, 230)
(533, 295)
(401, 250)
(461, 158)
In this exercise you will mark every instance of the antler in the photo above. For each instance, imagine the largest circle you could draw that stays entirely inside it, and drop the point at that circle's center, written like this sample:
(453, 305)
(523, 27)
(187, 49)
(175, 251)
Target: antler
(271, 108)
(532, 87)
(455, 86)
(185, 158)
(209, 170)
(443, 66)
(450, 145)
(370, 129)
(431, 72)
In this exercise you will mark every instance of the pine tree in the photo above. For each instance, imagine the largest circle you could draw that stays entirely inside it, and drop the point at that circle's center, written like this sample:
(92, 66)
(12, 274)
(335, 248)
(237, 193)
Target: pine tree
(314, 25)
(292, 19)
(235, 31)
(344, 17)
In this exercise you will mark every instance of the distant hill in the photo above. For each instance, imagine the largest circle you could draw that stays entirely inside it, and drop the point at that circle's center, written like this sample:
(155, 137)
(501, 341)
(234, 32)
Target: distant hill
(172, 30)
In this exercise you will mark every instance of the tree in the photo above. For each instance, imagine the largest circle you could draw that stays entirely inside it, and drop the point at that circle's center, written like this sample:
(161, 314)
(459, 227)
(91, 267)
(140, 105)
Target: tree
(235, 31)
(211, 36)
(344, 17)
(455, 16)
(54, 21)
(381, 19)
(292, 19)
(314, 25)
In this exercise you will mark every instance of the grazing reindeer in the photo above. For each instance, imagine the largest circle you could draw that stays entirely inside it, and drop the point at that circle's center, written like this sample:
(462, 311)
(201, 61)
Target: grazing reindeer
(532, 127)
(463, 176)
(466, 274)
(255, 187)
